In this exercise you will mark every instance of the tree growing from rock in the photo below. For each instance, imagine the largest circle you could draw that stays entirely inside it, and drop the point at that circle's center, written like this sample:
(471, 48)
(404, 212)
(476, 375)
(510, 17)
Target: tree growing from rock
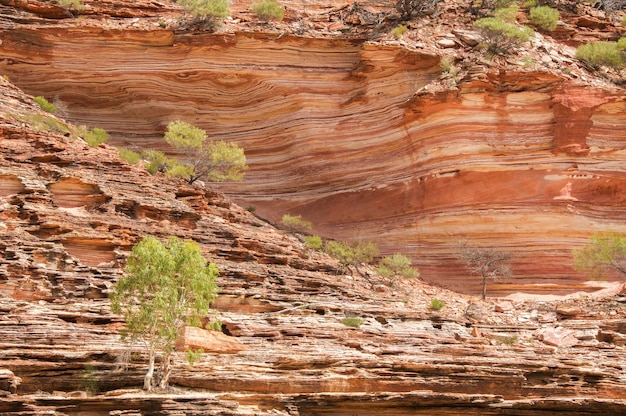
(489, 263)
(605, 252)
(166, 286)
(215, 161)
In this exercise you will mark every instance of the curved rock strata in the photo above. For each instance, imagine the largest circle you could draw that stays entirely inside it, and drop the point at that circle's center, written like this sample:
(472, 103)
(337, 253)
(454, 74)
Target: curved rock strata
(344, 132)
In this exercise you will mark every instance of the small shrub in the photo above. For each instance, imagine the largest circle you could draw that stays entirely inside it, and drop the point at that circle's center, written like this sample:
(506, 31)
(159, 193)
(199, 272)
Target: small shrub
(96, 136)
(599, 54)
(45, 105)
(40, 122)
(72, 4)
(351, 254)
(507, 14)
(268, 10)
(128, 155)
(510, 340)
(447, 66)
(193, 355)
(89, 380)
(215, 325)
(251, 208)
(499, 36)
(397, 265)
(544, 17)
(398, 31)
(295, 223)
(437, 304)
(354, 322)
(210, 9)
(313, 242)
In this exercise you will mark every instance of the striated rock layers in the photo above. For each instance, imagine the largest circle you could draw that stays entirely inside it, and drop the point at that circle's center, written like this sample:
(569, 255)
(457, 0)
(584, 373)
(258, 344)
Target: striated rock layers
(69, 215)
(346, 133)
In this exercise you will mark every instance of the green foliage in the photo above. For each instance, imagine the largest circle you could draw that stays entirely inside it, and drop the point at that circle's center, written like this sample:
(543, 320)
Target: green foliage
(544, 17)
(599, 54)
(398, 31)
(96, 136)
(128, 155)
(89, 380)
(605, 252)
(72, 5)
(437, 304)
(397, 265)
(165, 286)
(40, 122)
(193, 355)
(313, 242)
(623, 20)
(208, 9)
(215, 325)
(268, 10)
(45, 105)
(295, 223)
(354, 322)
(500, 36)
(157, 161)
(507, 14)
(251, 208)
(351, 254)
(215, 161)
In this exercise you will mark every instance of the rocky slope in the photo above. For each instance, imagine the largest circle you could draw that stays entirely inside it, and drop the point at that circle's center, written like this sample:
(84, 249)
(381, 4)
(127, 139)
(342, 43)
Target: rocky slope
(70, 213)
(525, 153)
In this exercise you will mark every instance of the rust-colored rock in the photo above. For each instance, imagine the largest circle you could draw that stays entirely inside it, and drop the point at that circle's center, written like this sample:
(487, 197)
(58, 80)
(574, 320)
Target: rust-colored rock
(209, 341)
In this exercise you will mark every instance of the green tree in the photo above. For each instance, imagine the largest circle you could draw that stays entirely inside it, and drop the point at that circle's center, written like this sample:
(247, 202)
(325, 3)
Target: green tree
(489, 263)
(605, 252)
(351, 254)
(165, 287)
(397, 265)
(215, 161)
(268, 10)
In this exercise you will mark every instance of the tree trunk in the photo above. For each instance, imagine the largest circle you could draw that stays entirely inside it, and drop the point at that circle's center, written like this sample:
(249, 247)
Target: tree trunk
(147, 380)
(484, 286)
(166, 367)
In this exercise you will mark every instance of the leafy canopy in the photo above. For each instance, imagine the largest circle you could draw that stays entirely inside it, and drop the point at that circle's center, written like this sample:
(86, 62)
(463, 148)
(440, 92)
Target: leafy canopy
(215, 161)
(605, 252)
(166, 286)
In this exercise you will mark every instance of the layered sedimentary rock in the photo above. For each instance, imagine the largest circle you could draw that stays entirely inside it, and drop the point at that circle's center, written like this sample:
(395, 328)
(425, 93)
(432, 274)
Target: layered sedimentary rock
(347, 133)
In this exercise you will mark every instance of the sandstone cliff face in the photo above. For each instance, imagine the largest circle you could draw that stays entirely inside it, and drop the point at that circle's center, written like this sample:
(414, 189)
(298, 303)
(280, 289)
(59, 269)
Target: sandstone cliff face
(348, 132)
(70, 214)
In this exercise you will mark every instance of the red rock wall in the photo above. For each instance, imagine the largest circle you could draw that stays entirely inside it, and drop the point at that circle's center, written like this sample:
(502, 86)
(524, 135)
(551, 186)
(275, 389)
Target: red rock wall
(335, 130)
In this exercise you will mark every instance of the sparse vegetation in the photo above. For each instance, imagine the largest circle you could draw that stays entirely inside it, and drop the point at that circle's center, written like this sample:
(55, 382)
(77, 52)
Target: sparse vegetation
(295, 223)
(268, 10)
(40, 122)
(353, 322)
(75, 5)
(489, 263)
(209, 10)
(411, 8)
(313, 242)
(437, 304)
(597, 54)
(501, 37)
(89, 380)
(604, 253)
(215, 161)
(351, 254)
(399, 31)
(165, 287)
(544, 17)
(508, 340)
(397, 265)
(44, 104)
(96, 136)
(251, 208)
(128, 155)
(193, 355)
(157, 161)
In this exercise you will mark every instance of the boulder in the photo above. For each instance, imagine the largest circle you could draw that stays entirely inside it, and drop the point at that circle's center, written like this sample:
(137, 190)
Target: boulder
(9, 381)
(210, 341)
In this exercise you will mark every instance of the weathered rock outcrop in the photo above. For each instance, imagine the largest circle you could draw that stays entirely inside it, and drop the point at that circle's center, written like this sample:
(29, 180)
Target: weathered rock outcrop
(70, 214)
(347, 133)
